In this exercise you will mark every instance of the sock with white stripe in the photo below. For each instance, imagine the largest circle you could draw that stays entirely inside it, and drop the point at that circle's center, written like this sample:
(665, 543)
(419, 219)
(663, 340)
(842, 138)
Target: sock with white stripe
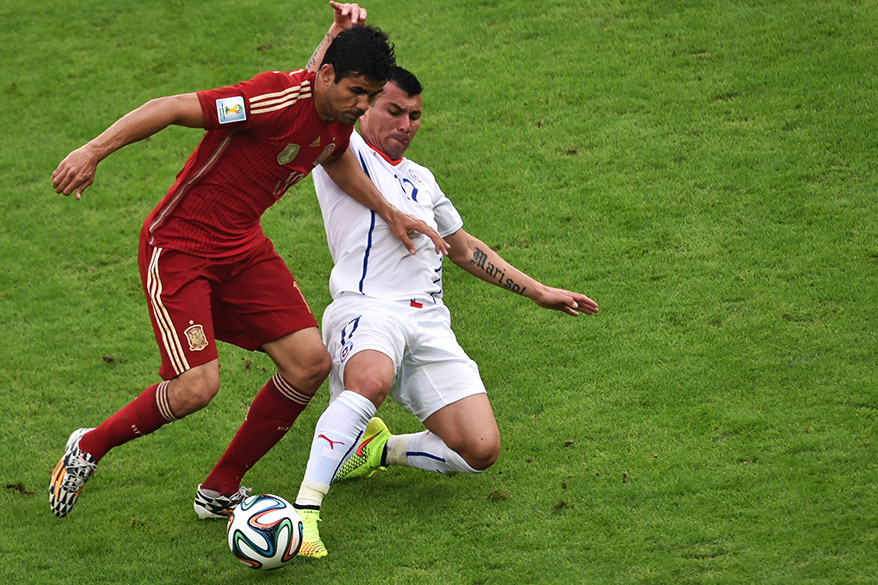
(143, 415)
(271, 415)
(426, 451)
(336, 435)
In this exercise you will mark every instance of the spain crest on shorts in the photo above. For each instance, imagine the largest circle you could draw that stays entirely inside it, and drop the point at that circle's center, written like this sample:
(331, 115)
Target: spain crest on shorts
(195, 336)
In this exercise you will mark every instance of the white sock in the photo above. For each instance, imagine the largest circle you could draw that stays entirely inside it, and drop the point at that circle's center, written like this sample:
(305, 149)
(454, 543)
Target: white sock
(426, 451)
(310, 495)
(336, 435)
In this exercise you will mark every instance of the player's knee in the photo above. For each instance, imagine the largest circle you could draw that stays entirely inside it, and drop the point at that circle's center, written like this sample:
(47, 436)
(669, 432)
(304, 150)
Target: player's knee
(317, 368)
(310, 371)
(480, 455)
(370, 373)
(372, 387)
(194, 390)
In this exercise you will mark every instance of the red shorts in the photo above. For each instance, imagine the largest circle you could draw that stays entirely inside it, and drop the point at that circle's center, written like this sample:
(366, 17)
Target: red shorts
(248, 301)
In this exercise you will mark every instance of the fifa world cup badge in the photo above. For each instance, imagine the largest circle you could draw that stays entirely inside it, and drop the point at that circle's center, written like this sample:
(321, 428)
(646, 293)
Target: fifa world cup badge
(196, 337)
(231, 109)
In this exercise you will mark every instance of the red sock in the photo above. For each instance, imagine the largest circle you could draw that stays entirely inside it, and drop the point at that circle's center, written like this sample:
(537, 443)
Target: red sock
(141, 416)
(271, 415)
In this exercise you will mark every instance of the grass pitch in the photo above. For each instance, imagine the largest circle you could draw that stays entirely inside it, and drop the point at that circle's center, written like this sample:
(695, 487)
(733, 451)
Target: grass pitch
(704, 171)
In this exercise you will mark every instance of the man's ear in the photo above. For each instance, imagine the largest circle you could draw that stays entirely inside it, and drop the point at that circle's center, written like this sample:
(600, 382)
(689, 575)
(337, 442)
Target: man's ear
(326, 73)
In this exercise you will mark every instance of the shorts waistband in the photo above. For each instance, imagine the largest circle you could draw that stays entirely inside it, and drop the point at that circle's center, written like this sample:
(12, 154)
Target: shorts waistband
(417, 302)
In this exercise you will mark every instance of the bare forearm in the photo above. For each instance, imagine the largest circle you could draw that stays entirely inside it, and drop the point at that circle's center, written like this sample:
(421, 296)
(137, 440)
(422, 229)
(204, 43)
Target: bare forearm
(480, 260)
(150, 118)
(77, 171)
(317, 57)
(351, 179)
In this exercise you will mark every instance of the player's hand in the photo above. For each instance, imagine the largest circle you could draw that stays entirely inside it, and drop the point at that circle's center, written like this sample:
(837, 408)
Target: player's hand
(348, 14)
(402, 225)
(566, 301)
(75, 173)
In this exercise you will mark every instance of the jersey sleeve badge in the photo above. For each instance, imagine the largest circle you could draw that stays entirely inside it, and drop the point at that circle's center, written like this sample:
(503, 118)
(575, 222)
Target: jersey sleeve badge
(231, 109)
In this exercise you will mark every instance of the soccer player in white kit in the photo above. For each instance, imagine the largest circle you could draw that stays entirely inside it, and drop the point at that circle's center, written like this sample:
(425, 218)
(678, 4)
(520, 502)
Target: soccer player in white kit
(388, 331)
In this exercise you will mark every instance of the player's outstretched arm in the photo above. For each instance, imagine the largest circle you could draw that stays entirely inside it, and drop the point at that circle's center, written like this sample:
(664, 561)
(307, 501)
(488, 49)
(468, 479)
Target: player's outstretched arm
(477, 258)
(351, 179)
(345, 15)
(77, 171)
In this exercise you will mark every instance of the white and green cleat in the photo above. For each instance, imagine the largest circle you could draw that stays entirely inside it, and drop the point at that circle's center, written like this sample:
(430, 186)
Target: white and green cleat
(366, 460)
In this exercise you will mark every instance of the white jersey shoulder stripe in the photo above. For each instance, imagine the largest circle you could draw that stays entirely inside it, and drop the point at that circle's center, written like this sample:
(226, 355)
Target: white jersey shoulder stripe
(278, 94)
(285, 103)
(286, 97)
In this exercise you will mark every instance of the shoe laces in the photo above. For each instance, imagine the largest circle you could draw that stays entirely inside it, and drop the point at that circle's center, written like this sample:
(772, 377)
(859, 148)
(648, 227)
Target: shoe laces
(242, 493)
(78, 470)
(310, 531)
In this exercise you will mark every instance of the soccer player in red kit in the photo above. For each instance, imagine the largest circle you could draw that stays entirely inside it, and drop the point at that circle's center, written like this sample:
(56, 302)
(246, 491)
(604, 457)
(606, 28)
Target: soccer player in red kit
(209, 271)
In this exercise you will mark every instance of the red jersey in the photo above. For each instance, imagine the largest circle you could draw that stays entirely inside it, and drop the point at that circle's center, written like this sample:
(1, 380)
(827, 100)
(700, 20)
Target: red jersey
(263, 136)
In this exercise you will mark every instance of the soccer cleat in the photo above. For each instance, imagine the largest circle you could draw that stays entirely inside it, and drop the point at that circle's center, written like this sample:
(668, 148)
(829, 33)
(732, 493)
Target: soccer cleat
(209, 506)
(366, 460)
(71, 473)
(312, 546)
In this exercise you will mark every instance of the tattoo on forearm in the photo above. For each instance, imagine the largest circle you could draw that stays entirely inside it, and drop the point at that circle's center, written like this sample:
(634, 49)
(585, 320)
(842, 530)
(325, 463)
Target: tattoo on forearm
(313, 61)
(496, 273)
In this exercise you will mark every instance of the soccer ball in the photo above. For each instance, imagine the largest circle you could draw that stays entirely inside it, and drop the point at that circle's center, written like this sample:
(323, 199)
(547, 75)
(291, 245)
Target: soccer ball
(264, 532)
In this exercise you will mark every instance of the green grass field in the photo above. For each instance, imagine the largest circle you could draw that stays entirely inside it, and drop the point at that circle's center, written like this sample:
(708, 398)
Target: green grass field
(704, 170)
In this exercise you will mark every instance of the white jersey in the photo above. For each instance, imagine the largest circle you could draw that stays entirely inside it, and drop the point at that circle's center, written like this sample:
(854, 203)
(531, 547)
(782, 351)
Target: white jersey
(369, 259)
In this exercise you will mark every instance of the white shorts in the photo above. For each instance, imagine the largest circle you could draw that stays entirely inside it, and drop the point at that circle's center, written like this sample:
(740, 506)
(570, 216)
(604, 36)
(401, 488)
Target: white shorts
(431, 370)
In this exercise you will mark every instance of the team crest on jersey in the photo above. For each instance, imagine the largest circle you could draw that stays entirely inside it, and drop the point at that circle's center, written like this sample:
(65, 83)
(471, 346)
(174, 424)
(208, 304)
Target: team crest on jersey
(325, 154)
(231, 110)
(288, 154)
(345, 351)
(196, 337)
(416, 178)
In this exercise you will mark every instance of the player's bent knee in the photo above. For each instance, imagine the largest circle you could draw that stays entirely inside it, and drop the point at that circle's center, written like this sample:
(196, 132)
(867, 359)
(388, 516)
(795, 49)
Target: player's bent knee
(369, 383)
(200, 395)
(317, 369)
(309, 372)
(375, 393)
(481, 455)
(193, 392)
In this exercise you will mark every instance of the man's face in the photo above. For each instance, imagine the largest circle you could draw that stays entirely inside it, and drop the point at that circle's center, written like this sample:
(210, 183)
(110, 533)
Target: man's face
(393, 120)
(348, 99)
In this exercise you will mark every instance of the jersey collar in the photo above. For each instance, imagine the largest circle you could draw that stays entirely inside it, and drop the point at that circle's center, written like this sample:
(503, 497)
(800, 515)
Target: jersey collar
(387, 158)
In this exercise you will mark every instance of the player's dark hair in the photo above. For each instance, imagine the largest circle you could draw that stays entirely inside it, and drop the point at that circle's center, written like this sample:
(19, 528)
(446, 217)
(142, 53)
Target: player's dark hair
(361, 50)
(405, 80)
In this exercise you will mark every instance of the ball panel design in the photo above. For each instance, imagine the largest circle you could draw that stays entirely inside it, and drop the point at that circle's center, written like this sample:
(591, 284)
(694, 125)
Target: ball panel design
(264, 532)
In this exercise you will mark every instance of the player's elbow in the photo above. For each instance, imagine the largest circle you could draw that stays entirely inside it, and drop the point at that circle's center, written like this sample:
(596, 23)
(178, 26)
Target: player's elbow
(459, 256)
(460, 252)
(463, 247)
